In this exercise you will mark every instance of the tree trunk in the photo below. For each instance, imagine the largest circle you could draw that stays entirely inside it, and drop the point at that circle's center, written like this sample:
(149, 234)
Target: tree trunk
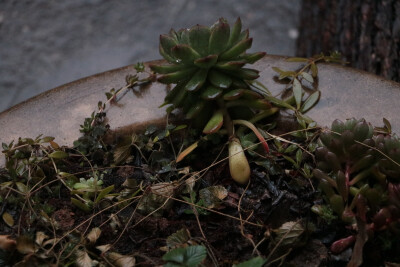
(367, 33)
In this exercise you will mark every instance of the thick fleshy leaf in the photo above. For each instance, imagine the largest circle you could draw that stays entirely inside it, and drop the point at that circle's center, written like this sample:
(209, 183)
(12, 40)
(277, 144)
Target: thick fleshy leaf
(199, 37)
(253, 57)
(186, 152)
(342, 185)
(238, 164)
(173, 34)
(211, 93)
(310, 101)
(237, 49)
(177, 76)
(167, 42)
(235, 33)
(197, 80)
(244, 35)
(245, 74)
(219, 79)
(230, 65)
(184, 36)
(337, 204)
(206, 62)
(258, 104)
(185, 54)
(215, 123)
(167, 56)
(233, 94)
(238, 93)
(219, 37)
(195, 110)
(164, 69)
(174, 91)
(297, 92)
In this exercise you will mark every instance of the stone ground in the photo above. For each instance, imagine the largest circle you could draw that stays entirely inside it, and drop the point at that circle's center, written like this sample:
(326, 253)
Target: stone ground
(44, 43)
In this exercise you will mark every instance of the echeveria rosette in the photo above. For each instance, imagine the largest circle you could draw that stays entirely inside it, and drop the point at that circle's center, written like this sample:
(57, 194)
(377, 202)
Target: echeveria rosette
(353, 174)
(207, 66)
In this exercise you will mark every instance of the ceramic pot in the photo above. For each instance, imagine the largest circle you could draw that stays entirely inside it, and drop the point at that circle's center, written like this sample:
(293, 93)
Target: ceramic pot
(346, 93)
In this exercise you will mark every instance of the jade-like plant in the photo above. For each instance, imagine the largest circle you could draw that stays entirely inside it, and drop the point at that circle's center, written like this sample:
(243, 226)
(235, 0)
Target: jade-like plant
(359, 174)
(212, 86)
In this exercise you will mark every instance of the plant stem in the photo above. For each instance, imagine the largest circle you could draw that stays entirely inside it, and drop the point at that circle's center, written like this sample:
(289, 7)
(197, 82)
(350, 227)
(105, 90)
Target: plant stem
(228, 124)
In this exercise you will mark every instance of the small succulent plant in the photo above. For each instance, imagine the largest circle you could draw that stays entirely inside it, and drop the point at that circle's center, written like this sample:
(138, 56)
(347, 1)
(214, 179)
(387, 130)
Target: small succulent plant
(212, 84)
(206, 64)
(355, 171)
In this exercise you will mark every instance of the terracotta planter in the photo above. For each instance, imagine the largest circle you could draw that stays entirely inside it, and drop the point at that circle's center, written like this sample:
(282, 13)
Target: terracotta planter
(346, 92)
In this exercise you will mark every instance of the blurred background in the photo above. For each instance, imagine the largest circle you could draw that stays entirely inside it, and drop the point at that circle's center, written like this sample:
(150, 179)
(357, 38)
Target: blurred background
(47, 43)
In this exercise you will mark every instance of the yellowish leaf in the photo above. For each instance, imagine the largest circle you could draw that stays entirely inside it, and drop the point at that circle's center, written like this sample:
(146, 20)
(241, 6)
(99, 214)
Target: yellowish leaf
(8, 219)
(186, 152)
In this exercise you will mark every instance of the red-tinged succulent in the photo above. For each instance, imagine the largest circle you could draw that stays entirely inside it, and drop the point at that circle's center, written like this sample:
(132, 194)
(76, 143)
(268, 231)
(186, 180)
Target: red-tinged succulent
(355, 171)
(207, 66)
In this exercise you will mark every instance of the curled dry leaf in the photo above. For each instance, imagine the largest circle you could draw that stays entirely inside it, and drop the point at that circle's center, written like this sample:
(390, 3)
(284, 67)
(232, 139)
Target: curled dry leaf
(94, 235)
(121, 260)
(104, 248)
(6, 243)
(40, 237)
(83, 259)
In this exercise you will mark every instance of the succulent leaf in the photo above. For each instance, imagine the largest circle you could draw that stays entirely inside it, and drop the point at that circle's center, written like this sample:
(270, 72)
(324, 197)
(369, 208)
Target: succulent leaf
(185, 53)
(215, 123)
(253, 57)
(175, 77)
(211, 93)
(206, 62)
(199, 37)
(219, 37)
(197, 80)
(165, 69)
(235, 33)
(237, 49)
(230, 65)
(219, 79)
(196, 109)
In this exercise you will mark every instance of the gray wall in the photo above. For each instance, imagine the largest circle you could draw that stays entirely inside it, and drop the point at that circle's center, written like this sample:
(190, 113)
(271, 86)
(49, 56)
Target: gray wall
(46, 43)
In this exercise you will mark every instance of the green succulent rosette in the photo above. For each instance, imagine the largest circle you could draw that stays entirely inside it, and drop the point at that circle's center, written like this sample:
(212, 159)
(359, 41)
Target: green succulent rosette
(207, 66)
